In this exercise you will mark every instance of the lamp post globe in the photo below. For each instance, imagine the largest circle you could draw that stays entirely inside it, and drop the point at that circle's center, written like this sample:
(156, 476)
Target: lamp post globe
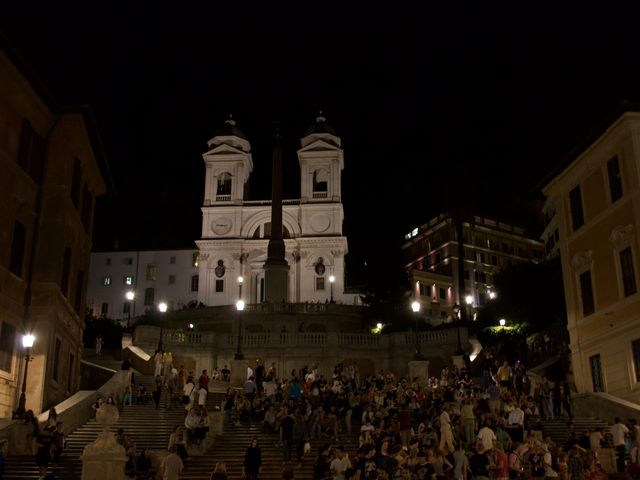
(162, 307)
(502, 322)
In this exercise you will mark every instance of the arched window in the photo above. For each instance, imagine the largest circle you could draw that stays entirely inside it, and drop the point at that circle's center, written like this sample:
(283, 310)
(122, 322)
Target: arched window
(224, 184)
(320, 183)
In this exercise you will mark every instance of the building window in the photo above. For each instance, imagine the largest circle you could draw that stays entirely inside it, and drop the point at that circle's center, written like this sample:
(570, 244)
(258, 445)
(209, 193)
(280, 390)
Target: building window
(104, 309)
(79, 291)
(443, 293)
(127, 261)
(494, 260)
(128, 280)
(56, 359)
(31, 152)
(195, 283)
(425, 290)
(319, 283)
(66, 271)
(172, 279)
(466, 274)
(172, 260)
(577, 214)
(87, 208)
(480, 257)
(635, 349)
(195, 259)
(152, 272)
(615, 180)
(75, 182)
(17, 249)
(219, 286)
(628, 272)
(149, 294)
(106, 281)
(70, 374)
(126, 307)
(107, 261)
(586, 292)
(224, 184)
(596, 373)
(7, 345)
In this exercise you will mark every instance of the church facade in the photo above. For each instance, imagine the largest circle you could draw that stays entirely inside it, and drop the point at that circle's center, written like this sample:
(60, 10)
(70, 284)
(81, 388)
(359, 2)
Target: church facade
(236, 231)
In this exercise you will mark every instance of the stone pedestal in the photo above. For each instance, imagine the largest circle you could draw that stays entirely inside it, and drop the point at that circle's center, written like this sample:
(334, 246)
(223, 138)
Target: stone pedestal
(419, 369)
(105, 458)
(127, 340)
(458, 361)
(238, 373)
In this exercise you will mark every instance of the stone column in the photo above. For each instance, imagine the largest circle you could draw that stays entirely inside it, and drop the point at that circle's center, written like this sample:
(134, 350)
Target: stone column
(105, 458)
(419, 369)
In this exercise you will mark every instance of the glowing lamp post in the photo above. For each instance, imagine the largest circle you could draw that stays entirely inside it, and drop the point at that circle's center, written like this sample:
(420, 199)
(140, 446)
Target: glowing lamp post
(27, 343)
(415, 306)
(331, 280)
(130, 295)
(239, 308)
(502, 322)
(162, 307)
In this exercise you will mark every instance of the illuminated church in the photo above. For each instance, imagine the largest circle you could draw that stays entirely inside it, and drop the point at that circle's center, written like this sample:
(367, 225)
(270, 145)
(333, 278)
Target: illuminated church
(236, 231)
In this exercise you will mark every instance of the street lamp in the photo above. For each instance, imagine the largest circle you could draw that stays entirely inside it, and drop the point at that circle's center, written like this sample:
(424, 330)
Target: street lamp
(331, 280)
(456, 312)
(27, 343)
(415, 306)
(130, 295)
(240, 280)
(239, 307)
(162, 306)
(502, 322)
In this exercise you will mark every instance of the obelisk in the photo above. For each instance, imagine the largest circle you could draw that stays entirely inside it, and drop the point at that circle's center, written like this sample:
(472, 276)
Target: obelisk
(276, 268)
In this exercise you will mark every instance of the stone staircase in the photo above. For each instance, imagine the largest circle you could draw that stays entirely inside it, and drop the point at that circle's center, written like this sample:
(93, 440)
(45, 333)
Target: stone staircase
(147, 427)
(231, 447)
(559, 432)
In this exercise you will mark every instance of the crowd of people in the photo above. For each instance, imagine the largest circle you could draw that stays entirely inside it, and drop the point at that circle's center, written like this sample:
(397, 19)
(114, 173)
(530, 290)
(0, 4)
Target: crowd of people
(450, 428)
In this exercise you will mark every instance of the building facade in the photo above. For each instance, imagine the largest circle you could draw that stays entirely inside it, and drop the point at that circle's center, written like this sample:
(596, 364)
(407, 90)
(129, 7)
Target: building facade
(49, 179)
(153, 277)
(236, 231)
(431, 256)
(596, 199)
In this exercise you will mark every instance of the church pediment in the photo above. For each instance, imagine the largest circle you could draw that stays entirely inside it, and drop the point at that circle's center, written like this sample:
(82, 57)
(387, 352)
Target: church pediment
(224, 149)
(319, 145)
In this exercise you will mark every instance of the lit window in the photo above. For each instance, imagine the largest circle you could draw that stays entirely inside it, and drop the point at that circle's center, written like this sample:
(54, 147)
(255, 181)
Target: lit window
(106, 281)
(152, 272)
(128, 280)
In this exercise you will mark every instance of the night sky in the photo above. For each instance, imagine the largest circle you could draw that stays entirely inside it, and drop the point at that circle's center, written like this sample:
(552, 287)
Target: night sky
(436, 105)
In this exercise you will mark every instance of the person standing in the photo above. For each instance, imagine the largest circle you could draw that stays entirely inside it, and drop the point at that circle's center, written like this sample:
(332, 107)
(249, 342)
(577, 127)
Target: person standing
(99, 344)
(286, 436)
(252, 465)
(157, 392)
(446, 435)
(340, 463)
(204, 380)
(619, 432)
(157, 360)
(171, 466)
